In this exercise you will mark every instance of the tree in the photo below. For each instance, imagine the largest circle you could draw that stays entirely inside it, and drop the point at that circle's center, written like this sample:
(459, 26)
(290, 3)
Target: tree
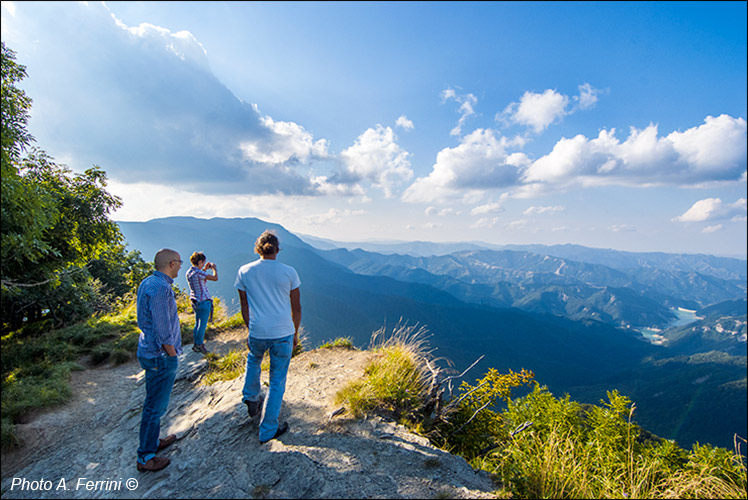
(56, 233)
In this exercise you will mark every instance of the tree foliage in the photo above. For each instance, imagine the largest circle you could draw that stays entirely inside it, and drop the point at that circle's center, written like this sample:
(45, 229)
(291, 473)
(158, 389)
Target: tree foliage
(62, 258)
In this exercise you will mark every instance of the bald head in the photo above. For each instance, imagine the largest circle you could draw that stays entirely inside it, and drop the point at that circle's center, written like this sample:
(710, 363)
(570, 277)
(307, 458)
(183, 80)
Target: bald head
(168, 262)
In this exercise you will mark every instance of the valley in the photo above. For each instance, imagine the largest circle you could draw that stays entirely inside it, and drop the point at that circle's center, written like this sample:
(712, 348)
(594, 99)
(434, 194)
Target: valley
(567, 319)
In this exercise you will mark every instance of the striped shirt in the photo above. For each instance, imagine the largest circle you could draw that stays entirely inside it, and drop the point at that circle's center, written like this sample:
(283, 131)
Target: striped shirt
(157, 316)
(197, 280)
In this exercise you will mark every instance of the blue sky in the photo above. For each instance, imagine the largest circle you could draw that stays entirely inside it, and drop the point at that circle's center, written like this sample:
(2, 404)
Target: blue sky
(611, 125)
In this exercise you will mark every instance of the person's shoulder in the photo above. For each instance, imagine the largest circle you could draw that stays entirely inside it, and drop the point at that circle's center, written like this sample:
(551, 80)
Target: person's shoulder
(155, 283)
(288, 268)
(249, 265)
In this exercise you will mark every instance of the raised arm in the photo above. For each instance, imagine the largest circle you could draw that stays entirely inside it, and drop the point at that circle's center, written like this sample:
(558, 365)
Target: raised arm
(214, 276)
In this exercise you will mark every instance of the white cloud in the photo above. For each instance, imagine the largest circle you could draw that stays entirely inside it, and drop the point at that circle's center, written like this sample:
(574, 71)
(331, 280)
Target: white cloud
(711, 209)
(404, 123)
(543, 210)
(480, 162)
(713, 151)
(467, 103)
(288, 142)
(488, 208)
(485, 223)
(518, 224)
(433, 211)
(143, 103)
(378, 158)
(587, 97)
(538, 110)
(712, 229)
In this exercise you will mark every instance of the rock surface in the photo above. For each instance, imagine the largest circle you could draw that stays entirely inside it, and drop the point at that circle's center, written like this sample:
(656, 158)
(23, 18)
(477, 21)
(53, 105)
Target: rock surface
(87, 448)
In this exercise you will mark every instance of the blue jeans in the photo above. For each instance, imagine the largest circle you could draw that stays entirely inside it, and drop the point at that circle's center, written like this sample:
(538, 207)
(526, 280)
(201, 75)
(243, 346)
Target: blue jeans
(280, 357)
(202, 314)
(159, 379)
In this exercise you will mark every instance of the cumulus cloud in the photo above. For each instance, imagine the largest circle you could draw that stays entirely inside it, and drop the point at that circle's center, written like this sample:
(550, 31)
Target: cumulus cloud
(710, 153)
(479, 162)
(404, 123)
(466, 102)
(288, 142)
(148, 108)
(539, 110)
(711, 209)
(377, 158)
(713, 151)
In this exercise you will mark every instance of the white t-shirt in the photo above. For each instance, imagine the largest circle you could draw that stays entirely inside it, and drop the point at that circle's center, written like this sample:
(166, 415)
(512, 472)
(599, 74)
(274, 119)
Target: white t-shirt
(268, 284)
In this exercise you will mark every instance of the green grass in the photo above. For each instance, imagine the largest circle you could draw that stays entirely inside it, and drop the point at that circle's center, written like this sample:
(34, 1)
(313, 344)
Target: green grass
(346, 342)
(36, 361)
(227, 367)
(394, 383)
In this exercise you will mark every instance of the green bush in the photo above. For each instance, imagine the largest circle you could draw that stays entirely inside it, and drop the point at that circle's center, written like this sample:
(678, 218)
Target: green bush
(598, 451)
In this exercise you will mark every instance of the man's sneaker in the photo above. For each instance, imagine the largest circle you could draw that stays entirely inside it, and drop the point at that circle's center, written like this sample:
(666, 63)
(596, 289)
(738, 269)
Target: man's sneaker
(154, 464)
(254, 408)
(199, 348)
(281, 430)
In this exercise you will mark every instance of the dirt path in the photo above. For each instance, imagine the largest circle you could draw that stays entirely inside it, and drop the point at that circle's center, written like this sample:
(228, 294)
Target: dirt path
(218, 455)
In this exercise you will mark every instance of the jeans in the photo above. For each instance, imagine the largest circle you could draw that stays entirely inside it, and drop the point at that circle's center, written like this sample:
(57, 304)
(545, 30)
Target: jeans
(159, 379)
(202, 314)
(280, 357)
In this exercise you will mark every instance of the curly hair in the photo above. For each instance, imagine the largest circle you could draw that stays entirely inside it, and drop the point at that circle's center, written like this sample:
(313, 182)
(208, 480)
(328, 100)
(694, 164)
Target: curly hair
(267, 244)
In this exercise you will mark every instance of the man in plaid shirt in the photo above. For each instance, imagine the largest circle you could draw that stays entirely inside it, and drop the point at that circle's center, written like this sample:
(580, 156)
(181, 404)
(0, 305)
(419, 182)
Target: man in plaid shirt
(159, 346)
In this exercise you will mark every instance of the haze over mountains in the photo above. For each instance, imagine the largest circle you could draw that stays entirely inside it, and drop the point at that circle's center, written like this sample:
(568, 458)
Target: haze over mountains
(571, 314)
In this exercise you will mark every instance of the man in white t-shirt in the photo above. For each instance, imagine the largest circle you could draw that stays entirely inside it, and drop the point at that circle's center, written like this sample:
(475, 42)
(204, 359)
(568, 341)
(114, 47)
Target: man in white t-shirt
(271, 309)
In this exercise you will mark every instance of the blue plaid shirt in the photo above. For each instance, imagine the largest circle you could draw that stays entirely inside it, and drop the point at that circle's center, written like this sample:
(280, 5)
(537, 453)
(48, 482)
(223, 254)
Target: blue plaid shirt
(157, 316)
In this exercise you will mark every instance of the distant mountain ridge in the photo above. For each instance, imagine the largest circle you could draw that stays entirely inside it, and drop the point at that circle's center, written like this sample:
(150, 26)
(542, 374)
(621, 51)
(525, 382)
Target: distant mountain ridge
(547, 284)
(352, 293)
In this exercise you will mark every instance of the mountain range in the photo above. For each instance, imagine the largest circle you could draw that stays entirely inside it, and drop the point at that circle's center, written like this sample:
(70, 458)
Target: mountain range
(571, 314)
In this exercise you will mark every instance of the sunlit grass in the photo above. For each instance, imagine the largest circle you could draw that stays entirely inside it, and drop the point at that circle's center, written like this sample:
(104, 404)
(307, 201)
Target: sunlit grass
(345, 342)
(227, 367)
(394, 382)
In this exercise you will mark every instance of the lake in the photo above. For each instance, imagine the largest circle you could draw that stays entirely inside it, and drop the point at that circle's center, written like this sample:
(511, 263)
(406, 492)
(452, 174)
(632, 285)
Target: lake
(684, 317)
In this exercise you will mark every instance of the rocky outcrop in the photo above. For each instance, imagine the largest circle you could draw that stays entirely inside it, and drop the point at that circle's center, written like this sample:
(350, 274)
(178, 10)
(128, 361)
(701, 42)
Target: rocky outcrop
(86, 449)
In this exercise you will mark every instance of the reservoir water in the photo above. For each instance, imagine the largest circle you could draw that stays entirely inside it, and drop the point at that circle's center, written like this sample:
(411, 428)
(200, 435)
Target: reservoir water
(684, 317)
